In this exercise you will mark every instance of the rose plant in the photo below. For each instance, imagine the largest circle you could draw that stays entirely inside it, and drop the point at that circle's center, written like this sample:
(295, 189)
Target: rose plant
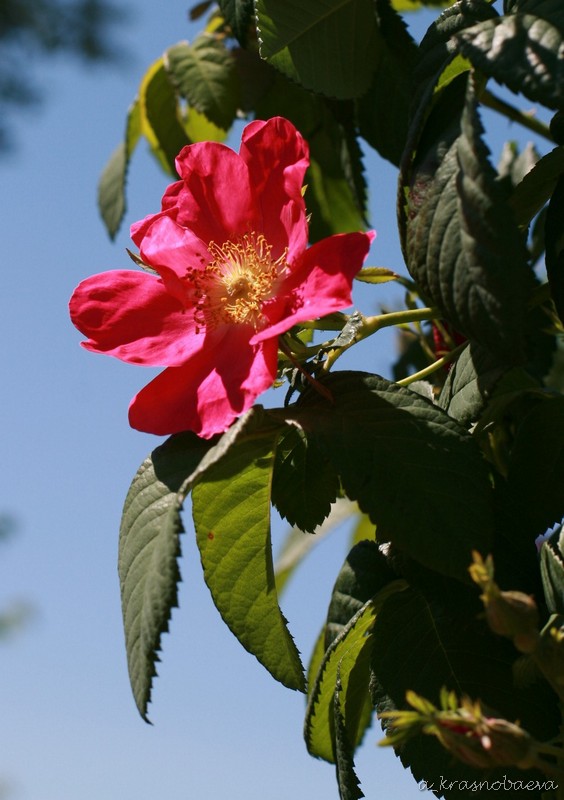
(450, 465)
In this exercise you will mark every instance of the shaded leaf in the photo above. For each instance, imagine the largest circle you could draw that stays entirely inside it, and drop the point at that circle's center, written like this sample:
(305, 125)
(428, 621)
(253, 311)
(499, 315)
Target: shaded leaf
(383, 111)
(231, 511)
(328, 47)
(522, 51)
(304, 483)
(469, 384)
(111, 188)
(149, 547)
(205, 74)
(415, 471)
(239, 14)
(463, 246)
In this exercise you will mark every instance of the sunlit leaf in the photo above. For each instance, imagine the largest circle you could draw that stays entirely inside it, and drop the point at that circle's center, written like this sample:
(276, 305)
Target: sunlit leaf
(348, 783)
(231, 510)
(350, 648)
(204, 73)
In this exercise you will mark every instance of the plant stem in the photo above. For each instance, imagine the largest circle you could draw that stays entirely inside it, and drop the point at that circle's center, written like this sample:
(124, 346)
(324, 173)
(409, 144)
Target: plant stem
(527, 120)
(423, 373)
(372, 324)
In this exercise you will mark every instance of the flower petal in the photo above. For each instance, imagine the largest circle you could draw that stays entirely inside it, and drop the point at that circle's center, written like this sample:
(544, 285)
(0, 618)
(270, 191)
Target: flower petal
(217, 199)
(278, 156)
(207, 393)
(130, 315)
(320, 283)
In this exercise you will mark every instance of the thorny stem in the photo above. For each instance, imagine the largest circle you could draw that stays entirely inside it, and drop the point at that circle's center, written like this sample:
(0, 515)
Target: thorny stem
(423, 373)
(527, 120)
(370, 325)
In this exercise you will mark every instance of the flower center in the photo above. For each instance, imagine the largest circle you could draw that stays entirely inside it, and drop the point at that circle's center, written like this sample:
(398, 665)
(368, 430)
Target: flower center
(233, 287)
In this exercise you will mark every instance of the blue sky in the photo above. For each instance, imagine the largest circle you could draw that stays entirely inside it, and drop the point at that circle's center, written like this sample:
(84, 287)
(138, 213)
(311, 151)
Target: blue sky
(222, 727)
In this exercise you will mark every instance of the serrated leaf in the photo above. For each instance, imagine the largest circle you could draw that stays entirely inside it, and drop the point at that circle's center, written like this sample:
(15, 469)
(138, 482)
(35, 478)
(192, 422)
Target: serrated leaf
(160, 116)
(469, 384)
(554, 237)
(521, 51)
(327, 47)
(347, 781)
(231, 511)
(537, 186)
(304, 483)
(205, 74)
(350, 647)
(239, 14)
(149, 547)
(415, 471)
(111, 188)
(463, 246)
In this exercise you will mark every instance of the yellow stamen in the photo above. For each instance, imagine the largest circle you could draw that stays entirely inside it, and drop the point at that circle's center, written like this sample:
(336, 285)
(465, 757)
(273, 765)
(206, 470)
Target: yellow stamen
(234, 285)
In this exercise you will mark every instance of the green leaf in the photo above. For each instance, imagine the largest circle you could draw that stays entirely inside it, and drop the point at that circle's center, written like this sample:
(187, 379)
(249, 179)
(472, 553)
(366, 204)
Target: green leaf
(415, 5)
(239, 14)
(160, 116)
(348, 649)
(328, 46)
(424, 646)
(377, 275)
(469, 384)
(205, 74)
(463, 245)
(348, 783)
(111, 188)
(536, 465)
(231, 511)
(383, 111)
(149, 547)
(304, 483)
(555, 247)
(415, 471)
(521, 51)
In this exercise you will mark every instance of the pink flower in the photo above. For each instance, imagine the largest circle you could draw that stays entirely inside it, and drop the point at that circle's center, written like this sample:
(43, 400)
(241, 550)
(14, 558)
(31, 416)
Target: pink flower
(233, 271)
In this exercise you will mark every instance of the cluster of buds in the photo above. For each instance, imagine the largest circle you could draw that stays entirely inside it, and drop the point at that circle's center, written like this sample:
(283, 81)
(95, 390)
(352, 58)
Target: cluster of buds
(474, 737)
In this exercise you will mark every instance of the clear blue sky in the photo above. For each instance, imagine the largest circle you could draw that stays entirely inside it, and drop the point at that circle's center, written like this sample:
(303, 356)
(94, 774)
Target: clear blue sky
(69, 728)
